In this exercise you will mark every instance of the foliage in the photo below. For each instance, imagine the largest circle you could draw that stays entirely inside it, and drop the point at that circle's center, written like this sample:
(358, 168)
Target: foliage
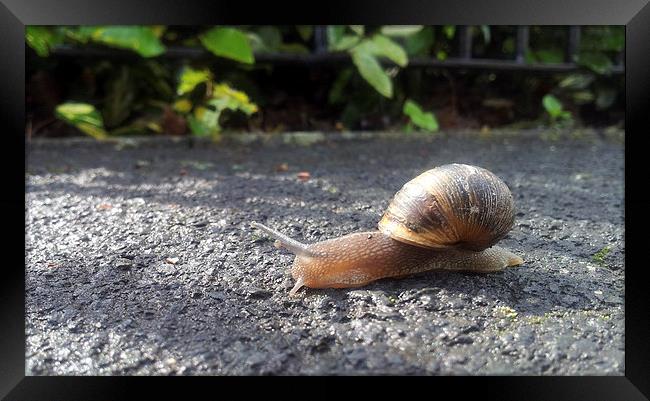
(401, 30)
(367, 50)
(150, 94)
(555, 110)
(190, 78)
(143, 40)
(203, 101)
(419, 118)
(599, 47)
(83, 116)
(228, 42)
(269, 39)
(42, 39)
(419, 43)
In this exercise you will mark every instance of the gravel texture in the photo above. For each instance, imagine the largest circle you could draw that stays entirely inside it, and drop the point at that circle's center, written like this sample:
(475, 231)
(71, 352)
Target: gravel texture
(140, 260)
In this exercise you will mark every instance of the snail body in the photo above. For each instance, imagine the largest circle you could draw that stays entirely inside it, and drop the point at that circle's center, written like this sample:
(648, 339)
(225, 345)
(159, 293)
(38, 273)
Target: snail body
(447, 218)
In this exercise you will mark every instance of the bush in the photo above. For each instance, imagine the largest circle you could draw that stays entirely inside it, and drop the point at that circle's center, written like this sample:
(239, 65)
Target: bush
(115, 95)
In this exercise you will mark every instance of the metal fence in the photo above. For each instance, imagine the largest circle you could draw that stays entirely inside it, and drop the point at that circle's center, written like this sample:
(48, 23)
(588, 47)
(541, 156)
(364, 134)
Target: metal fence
(319, 54)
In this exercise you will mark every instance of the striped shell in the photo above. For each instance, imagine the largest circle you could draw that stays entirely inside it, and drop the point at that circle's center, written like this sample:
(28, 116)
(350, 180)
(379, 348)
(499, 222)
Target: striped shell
(451, 206)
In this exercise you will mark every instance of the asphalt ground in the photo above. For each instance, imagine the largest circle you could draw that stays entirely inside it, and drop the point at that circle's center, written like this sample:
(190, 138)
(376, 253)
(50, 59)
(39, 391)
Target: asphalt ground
(140, 260)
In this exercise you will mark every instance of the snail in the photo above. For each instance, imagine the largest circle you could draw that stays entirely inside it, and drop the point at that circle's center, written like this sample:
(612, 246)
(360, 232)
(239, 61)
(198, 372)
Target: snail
(447, 218)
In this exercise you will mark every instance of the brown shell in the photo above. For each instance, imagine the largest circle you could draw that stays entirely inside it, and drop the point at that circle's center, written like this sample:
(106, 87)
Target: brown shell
(451, 206)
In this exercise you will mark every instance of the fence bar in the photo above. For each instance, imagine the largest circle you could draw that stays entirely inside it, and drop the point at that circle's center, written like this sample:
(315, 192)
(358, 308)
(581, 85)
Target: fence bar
(179, 53)
(490, 64)
(465, 37)
(523, 33)
(320, 39)
(574, 43)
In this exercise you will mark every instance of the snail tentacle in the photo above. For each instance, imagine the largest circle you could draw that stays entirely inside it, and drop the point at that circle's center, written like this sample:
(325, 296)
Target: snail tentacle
(284, 241)
(299, 283)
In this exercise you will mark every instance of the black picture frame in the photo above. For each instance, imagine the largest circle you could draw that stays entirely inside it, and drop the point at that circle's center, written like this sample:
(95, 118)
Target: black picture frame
(634, 14)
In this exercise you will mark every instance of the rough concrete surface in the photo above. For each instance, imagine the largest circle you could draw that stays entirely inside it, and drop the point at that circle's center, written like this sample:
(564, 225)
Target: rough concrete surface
(140, 260)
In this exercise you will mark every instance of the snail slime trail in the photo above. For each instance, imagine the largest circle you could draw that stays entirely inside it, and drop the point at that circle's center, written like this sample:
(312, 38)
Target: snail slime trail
(447, 218)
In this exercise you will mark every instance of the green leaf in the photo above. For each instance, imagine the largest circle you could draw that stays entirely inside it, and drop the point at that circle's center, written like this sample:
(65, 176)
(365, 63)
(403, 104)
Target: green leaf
(336, 92)
(334, 34)
(158, 30)
(552, 105)
(449, 31)
(577, 81)
(384, 46)
(80, 34)
(141, 39)
(357, 29)
(189, 78)
(271, 37)
(615, 40)
(345, 42)
(602, 38)
(229, 43)
(83, 116)
(42, 39)
(401, 30)
(597, 62)
(583, 97)
(424, 120)
(224, 97)
(257, 44)
(182, 105)
(204, 122)
(305, 31)
(485, 30)
(371, 71)
(420, 43)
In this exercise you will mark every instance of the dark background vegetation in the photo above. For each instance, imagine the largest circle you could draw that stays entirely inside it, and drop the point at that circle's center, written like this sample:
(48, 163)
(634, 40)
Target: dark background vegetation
(205, 80)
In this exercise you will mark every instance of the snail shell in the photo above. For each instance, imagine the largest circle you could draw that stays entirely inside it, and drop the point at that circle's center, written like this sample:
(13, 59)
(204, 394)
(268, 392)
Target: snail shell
(451, 206)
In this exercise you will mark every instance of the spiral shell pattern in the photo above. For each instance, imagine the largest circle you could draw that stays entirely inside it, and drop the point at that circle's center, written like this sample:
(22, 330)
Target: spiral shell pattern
(451, 206)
